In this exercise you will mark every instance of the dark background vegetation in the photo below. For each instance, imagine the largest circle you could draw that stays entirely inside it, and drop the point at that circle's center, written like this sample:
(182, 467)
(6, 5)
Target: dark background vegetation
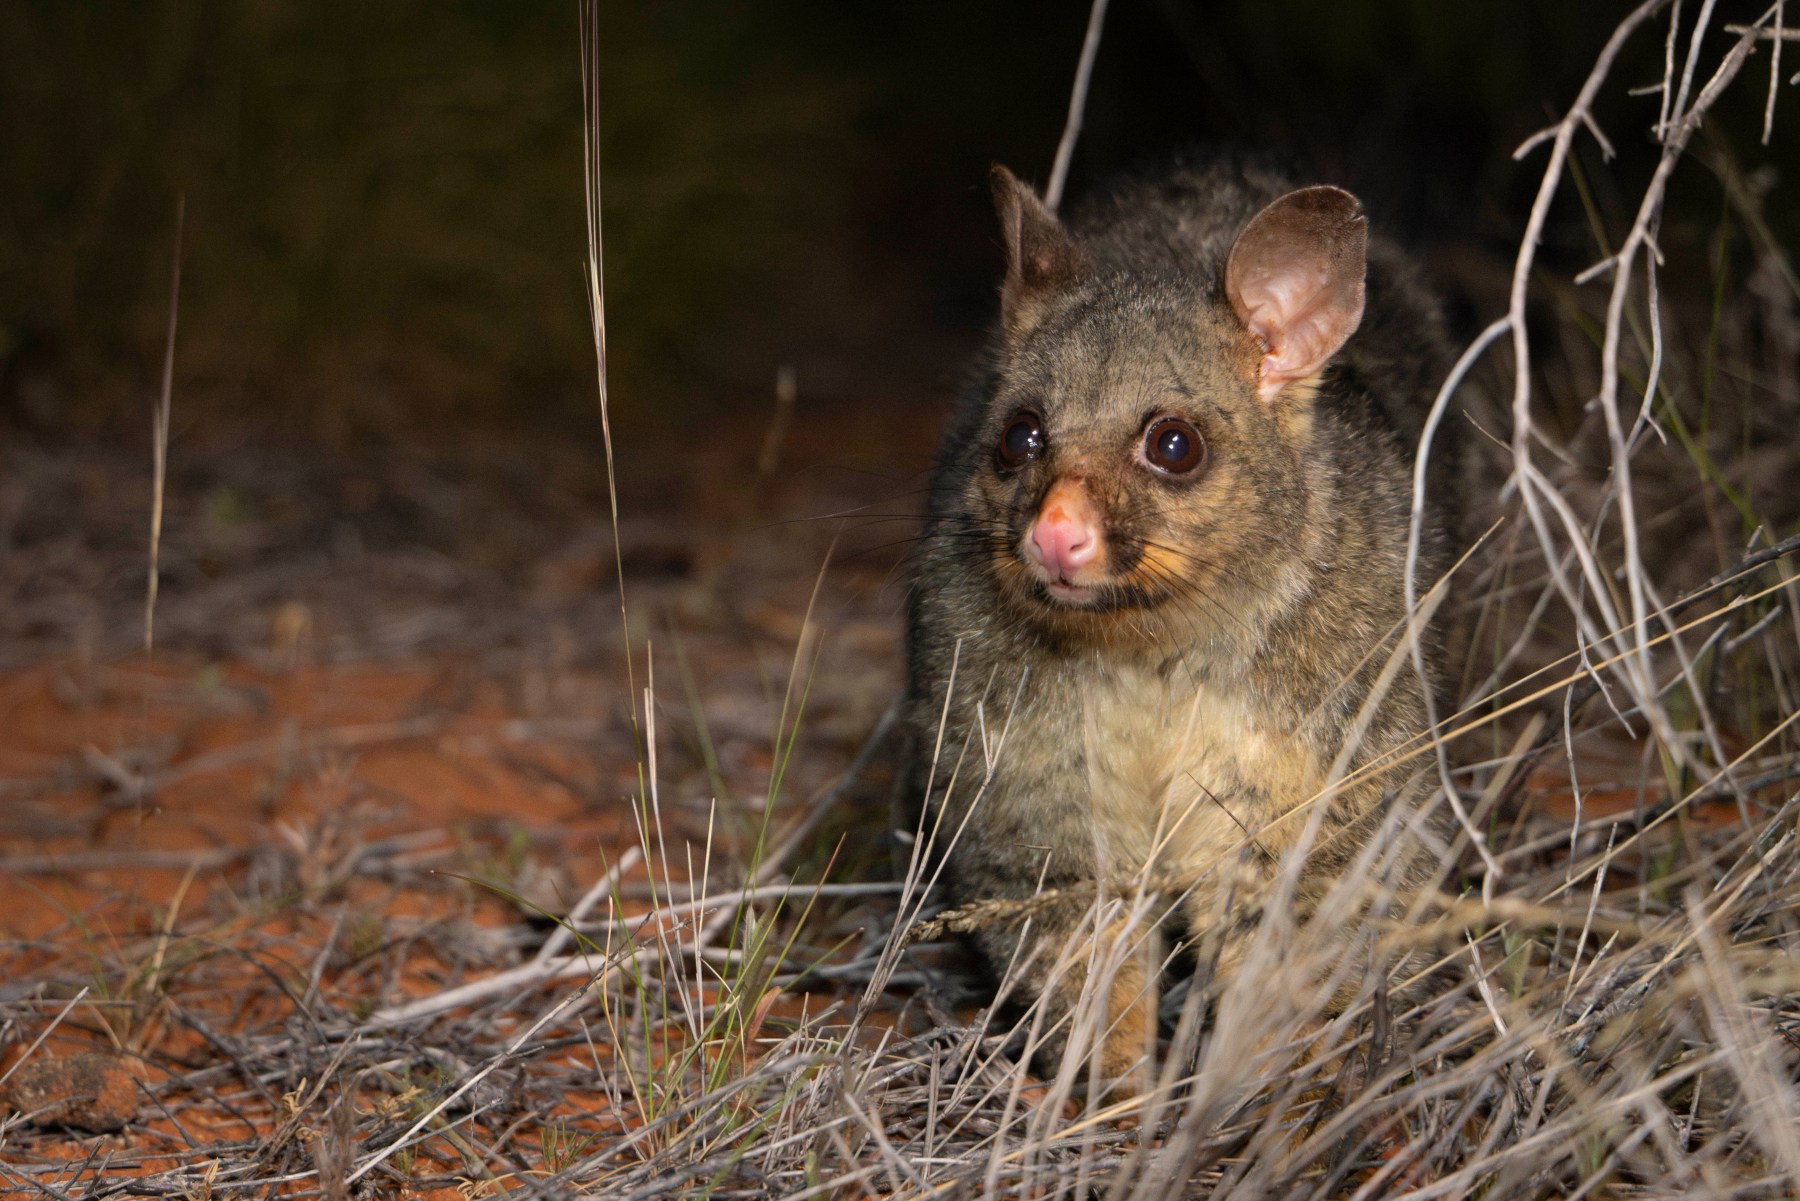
(384, 223)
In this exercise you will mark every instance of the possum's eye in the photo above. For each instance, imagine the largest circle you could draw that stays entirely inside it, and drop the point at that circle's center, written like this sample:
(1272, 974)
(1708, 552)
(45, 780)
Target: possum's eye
(1173, 446)
(1022, 442)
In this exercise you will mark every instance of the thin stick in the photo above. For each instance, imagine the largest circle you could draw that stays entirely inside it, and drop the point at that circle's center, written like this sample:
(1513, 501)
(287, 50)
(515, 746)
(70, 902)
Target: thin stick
(102, 861)
(1776, 36)
(1084, 70)
(556, 967)
(160, 436)
(511, 980)
(1415, 626)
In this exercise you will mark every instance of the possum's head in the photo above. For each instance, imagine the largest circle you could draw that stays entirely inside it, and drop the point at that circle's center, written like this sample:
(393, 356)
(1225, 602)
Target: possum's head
(1147, 443)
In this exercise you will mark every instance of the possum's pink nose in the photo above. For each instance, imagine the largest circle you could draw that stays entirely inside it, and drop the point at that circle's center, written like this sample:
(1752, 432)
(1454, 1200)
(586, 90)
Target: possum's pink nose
(1066, 536)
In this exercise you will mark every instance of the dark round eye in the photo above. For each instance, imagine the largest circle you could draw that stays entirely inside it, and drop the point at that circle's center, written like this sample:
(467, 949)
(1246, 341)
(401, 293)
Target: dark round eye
(1174, 446)
(1022, 442)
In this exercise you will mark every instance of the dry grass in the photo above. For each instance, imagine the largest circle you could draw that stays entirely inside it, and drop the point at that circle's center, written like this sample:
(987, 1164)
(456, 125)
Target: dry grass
(1602, 997)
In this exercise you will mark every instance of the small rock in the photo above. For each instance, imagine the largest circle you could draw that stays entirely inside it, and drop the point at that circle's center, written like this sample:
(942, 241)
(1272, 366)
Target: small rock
(93, 1091)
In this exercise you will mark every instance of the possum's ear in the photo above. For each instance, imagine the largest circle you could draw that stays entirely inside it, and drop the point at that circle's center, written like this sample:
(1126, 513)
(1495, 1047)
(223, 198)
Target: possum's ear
(1041, 258)
(1295, 277)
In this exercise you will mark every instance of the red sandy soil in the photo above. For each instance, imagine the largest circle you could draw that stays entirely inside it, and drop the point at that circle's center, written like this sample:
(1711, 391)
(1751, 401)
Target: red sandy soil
(319, 753)
(143, 792)
(320, 759)
(367, 775)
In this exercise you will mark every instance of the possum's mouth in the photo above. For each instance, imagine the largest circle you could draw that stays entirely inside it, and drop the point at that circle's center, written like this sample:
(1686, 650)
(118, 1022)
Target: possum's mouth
(1109, 597)
(1071, 594)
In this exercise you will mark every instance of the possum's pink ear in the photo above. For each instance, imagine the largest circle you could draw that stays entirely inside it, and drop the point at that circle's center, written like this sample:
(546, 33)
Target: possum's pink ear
(1041, 257)
(1295, 277)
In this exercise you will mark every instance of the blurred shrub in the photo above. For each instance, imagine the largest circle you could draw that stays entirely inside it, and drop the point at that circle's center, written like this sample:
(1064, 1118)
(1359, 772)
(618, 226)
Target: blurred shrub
(384, 205)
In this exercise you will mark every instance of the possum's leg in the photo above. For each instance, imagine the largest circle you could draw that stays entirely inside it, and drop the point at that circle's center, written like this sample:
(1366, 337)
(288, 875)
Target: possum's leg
(1020, 848)
(1098, 987)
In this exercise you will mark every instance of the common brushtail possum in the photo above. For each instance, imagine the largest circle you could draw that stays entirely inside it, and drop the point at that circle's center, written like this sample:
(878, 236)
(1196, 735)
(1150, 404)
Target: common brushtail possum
(1162, 566)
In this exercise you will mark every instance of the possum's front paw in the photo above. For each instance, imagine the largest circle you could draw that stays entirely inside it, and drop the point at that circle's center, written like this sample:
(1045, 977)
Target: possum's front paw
(1126, 1059)
(1119, 1039)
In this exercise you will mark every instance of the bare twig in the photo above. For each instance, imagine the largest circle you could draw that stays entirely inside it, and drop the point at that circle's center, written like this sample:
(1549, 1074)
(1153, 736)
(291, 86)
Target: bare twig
(1084, 70)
